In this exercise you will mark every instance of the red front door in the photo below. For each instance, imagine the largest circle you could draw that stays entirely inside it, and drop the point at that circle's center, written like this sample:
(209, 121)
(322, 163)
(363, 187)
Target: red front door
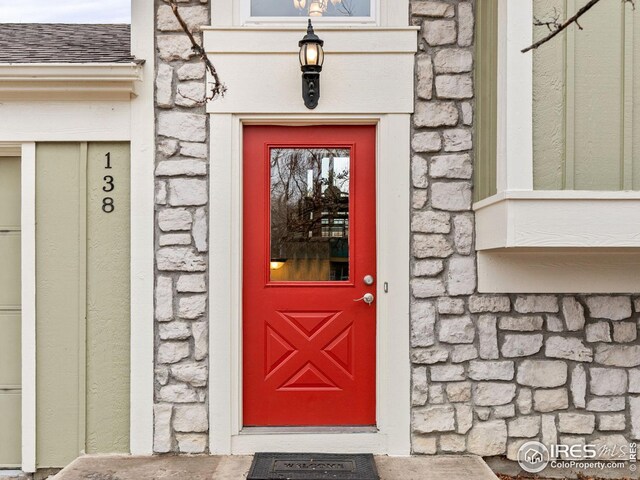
(309, 251)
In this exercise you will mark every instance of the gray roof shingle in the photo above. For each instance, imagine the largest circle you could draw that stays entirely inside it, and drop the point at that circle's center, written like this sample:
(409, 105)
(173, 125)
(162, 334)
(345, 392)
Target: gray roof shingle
(65, 43)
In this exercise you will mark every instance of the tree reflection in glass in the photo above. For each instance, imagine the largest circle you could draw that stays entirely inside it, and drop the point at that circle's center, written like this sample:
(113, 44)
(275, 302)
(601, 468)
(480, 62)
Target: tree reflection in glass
(309, 214)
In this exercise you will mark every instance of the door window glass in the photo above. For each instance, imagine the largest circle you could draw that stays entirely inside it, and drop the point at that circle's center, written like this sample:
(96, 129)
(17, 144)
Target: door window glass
(309, 214)
(310, 8)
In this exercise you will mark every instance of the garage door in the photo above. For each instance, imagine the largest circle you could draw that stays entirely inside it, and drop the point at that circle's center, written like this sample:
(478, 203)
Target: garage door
(10, 371)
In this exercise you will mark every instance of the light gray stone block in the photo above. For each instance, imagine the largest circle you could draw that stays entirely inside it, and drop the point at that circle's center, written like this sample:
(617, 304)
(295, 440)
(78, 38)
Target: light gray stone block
(191, 283)
(451, 196)
(188, 192)
(419, 386)
(458, 392)
(451, 306)
(487, 394)
(453, 60)
(192, 307)
(542, 373)
(521, 345)
(174, 219)
(598, 332)
(436, 114)
(456, 330)
(447, 373)
(579, 386)
(607, 381)
(521, 324)
(190, 418)
(537, 304)
(174, 330)
(487, 370)
(457, 166)
(172, 352)
(433, 418)
(618, 355)
(463, 353)
(461, 276)
(439, 32)
(162, 427)
(569, 348)
(612, 422)
(489, 303)
(488, 439)
(606, 404)
(457, 140)
(456, 87)
(428, 268)
(423, 315)
(609, 307)
(463, 233)
(625, 332)
(524, 427)
(550, 400)
(192, 373)
(465, 24)
(190, 127)
(576, 423)
(423, 142)
(177, 393)
(164, 299)
(429, 356)
(424, 87)
(573, 313)
(431, 222)
(431, 246)
(488, 337)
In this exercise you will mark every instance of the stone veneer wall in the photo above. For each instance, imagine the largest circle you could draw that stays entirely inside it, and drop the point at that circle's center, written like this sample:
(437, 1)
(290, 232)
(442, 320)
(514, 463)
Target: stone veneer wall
(490, 372)
(182, 198)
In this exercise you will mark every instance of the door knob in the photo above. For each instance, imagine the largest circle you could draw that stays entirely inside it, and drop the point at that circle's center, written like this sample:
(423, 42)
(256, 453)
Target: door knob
(368, 298)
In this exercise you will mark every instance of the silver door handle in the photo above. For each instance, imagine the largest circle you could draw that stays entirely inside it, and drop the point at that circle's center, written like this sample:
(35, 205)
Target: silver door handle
(368, 298)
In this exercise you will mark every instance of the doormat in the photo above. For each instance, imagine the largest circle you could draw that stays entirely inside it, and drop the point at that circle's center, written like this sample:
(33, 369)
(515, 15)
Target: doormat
(312, 466)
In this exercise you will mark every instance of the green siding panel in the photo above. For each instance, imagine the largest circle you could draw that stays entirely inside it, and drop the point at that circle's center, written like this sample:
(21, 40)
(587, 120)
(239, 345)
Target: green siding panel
(108, 301)
(82, 302)
(60, 283)
(584, 113)
(486, 69)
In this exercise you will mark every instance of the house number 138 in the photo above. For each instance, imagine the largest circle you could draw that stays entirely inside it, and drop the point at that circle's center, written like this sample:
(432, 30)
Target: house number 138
(109, 185)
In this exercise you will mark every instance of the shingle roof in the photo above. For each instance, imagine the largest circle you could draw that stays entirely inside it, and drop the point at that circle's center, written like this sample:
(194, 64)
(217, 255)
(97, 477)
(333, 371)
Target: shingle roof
(64, 43)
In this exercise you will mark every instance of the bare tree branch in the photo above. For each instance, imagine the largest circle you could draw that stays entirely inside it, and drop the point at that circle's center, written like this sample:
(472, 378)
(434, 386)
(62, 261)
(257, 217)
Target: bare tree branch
(561, 27)
(217, 87)
(556, 27)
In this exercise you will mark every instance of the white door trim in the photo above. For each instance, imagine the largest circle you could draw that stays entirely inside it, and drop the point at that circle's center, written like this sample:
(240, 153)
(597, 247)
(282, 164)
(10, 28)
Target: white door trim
(225, 293)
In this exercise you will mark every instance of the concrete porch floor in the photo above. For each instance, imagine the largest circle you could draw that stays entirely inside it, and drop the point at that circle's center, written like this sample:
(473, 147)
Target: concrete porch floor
(454, 467)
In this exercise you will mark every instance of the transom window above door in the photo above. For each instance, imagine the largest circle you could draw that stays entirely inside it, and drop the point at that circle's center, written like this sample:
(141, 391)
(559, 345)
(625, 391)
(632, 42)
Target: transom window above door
(342, 10)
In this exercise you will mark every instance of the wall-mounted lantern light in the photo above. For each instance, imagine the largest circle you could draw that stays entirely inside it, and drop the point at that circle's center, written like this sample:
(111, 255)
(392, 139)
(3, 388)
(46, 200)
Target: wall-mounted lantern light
(311, 60)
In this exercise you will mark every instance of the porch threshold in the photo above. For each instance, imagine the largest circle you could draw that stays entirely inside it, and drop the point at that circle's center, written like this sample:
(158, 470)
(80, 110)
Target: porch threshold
(203, 467)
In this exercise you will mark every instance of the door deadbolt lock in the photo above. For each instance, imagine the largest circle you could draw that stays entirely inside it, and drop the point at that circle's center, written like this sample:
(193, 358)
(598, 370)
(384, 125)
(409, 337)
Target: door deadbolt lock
(368, 298)
(368, 280)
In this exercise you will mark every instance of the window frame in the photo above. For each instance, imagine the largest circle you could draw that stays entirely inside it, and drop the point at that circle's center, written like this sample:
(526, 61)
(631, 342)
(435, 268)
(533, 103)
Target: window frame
(247, 19)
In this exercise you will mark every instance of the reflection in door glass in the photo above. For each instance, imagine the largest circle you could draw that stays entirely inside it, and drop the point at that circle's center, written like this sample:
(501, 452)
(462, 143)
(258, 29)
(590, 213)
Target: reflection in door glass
(309, 214)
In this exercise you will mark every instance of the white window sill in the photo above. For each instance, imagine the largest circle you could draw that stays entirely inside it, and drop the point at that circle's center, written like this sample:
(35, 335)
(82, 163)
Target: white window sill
(558, 219)
(558, 242)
